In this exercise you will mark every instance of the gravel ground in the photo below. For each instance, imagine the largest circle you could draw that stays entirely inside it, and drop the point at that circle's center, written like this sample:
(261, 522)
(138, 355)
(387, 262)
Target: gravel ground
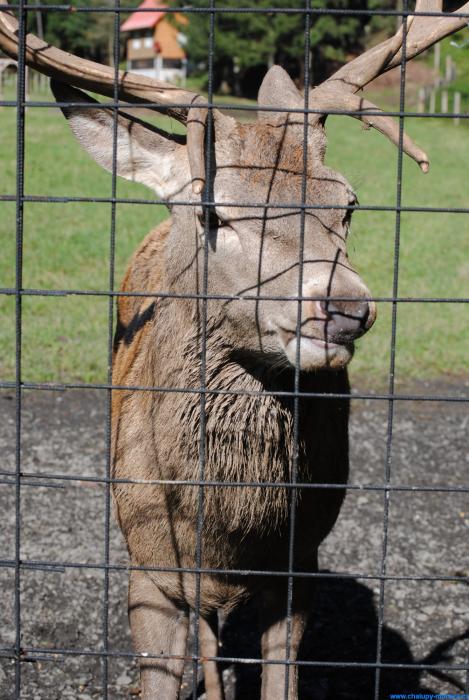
(424, 622)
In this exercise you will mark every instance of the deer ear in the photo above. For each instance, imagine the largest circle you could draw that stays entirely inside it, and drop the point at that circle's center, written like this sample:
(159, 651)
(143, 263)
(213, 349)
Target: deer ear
(144, 153)
(277, 90)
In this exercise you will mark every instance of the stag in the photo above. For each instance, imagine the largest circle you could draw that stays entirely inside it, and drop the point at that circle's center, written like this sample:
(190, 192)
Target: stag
(220, 295)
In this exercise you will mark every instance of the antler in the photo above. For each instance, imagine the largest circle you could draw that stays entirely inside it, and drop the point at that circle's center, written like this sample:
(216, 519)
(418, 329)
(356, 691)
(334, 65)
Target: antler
(337, 92)
(182, 105)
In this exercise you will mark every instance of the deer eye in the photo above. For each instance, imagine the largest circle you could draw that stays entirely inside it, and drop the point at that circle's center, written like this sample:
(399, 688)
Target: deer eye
(209, 216)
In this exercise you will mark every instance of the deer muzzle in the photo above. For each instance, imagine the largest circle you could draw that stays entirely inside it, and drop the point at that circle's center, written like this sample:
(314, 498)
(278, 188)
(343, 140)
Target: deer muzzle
(327, 331)
(342, 321)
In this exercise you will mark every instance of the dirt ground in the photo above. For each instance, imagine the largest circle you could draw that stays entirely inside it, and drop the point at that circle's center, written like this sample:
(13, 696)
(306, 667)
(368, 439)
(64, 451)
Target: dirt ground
(424, 622)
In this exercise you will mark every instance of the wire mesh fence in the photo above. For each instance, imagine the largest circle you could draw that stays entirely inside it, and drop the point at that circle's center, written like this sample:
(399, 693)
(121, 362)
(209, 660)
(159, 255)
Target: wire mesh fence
(365, 673)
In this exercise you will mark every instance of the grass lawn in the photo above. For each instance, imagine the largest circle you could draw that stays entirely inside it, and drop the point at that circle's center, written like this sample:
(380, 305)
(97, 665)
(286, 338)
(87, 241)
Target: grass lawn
(66, 246)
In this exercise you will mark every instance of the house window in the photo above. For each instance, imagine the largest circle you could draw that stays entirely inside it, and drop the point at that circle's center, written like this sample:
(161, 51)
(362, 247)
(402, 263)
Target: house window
(148, 42)
(172, 63)
(136, 43)
(142, 63)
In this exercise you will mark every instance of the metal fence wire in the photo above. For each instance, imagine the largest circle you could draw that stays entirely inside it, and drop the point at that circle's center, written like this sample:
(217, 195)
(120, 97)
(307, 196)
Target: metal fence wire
(48, 653)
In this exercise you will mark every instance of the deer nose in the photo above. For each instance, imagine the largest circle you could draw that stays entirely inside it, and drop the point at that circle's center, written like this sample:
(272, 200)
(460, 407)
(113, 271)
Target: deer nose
(345, 320)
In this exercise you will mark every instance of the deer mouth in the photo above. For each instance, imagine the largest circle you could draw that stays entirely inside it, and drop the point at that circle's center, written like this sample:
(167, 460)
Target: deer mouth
(314, 353)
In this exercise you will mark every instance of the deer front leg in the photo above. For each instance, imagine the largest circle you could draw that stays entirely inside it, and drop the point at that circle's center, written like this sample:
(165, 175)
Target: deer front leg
(158, 626)
(208, 632)
(274, 639)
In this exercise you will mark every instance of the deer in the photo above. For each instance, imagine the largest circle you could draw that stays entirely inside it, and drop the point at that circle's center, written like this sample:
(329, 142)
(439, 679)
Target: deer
(237, 318)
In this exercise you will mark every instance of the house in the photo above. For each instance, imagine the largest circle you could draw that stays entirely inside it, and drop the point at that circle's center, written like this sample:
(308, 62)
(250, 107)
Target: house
(154, 43)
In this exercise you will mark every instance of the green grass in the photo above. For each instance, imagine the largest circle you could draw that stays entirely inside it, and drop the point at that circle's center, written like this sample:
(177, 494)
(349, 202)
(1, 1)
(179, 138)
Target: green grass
(66, 246)
(432, 339)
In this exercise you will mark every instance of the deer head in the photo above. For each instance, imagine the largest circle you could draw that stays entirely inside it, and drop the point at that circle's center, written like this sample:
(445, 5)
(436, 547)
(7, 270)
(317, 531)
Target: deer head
(261, 175)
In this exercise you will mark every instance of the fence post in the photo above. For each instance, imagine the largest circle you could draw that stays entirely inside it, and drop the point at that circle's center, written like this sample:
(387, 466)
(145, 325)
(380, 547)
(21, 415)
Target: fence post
(448, 70)
(457, 107)
(421, 101)
(432, 106)
(444, 102)
(436, 63)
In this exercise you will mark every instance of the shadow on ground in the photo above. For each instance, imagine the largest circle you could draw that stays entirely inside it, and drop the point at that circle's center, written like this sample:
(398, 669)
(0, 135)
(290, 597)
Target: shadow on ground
(344, 631)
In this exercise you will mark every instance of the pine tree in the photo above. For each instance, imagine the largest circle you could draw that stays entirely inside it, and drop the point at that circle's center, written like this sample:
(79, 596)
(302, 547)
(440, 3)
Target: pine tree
(86, 34)
(248, 43)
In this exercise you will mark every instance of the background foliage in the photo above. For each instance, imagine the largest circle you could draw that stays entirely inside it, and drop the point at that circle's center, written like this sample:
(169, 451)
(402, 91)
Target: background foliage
(247, 44)
(87, 35)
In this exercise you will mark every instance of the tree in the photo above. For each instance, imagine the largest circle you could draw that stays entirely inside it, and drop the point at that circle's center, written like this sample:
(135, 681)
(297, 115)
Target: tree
(384, 24)
(246, 44)
(85, 34)
(333, 37)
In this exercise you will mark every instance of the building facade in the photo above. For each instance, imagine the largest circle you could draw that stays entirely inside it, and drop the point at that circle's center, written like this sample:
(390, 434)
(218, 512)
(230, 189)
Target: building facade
(155, 42)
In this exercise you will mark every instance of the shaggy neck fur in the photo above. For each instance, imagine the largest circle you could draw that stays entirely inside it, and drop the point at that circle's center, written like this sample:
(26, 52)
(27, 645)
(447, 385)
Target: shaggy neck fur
(248, 437)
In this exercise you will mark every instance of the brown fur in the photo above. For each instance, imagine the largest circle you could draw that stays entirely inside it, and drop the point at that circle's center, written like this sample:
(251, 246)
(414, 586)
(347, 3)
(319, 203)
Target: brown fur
(144, 273)
(248, 439)
(206, 432)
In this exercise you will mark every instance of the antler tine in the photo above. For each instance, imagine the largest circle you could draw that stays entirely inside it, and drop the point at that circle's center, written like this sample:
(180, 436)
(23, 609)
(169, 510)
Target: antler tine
(357, 107)
(89, 75)
(337, 92)
(427, 31)
(422, 32)
(182, 105)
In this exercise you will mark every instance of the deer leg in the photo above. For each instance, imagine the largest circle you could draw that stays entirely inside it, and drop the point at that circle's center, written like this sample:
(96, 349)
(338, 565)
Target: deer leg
(158, 626)
(208, 632)
(274, 641)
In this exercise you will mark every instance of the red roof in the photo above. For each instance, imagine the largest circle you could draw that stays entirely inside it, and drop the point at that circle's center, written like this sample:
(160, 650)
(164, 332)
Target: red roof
(144, 20)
